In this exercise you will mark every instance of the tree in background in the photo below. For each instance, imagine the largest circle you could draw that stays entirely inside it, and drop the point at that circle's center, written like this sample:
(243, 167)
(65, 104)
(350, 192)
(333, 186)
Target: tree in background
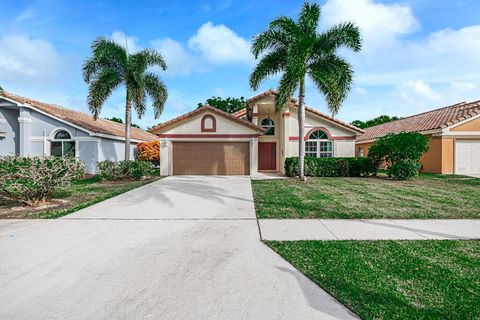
(229, 105)
(119, 120)
(1, 90)
(373, 122)
(111, 66)
(296, 49)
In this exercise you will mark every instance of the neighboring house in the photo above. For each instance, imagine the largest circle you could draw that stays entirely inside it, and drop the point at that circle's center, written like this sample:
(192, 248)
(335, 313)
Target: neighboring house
(259, 138)
(454, 138)
(33, 128)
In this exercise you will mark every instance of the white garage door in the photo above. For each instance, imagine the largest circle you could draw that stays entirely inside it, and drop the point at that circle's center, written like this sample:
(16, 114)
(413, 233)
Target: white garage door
(467, 157)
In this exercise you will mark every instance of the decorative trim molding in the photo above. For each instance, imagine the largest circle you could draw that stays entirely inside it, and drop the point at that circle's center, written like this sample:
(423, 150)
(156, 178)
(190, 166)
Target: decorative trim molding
(24, 120)
(214, 123)
(286, 114)
(294, 138)
(200, 136)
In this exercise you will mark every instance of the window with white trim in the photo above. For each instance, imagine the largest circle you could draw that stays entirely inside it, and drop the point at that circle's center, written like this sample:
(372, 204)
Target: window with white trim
(62, 145)
(318, 145)
(269, 126)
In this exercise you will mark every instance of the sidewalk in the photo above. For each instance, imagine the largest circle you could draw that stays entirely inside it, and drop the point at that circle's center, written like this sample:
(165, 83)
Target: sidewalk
(368, 229)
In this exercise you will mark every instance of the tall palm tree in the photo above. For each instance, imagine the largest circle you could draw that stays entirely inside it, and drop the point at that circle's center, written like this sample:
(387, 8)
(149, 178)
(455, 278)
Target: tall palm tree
(296, 49)
(111, 66)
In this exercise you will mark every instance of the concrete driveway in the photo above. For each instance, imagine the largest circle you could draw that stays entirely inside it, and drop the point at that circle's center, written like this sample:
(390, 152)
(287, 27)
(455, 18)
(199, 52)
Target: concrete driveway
(180, 248)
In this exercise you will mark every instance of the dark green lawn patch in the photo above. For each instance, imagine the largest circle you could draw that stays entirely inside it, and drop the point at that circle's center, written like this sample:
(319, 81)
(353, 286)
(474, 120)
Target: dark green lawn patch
(434, 279)
(427, 196)
(79, 195)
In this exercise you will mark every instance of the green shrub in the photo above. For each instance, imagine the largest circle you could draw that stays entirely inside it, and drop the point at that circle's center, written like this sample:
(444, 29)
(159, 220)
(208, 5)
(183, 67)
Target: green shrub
(332, 167)
(404, 169)
(124, 170)
(401, 151)
(33, 180)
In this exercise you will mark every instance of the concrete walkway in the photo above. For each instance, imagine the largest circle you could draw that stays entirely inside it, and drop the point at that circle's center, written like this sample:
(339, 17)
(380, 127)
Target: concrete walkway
(374, 229)
(180, 248)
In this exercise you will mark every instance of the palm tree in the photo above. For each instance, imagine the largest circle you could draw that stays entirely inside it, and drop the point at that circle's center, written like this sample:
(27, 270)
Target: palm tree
(296, 49)
(111, 66)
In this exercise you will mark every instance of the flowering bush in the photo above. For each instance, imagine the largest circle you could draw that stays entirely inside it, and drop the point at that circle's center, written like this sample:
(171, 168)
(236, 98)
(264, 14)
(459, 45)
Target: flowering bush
(33, 180)
(149, 151)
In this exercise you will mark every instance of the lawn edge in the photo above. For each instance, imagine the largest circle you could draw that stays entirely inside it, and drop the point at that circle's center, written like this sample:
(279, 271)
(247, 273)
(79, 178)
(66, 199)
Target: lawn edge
(348, 308)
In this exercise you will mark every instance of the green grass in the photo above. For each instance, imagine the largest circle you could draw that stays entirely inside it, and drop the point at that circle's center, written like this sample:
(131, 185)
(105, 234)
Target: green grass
(427, 196)
(81, 194)
(421, 279)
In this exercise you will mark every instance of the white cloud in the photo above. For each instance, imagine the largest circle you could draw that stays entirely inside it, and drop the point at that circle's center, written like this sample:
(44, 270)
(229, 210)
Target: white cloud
(179, 60)
(414, 91)
(463, 86)
(380, 24)
(218, 44)
(122, 39)
(26, 14)
(24, 60)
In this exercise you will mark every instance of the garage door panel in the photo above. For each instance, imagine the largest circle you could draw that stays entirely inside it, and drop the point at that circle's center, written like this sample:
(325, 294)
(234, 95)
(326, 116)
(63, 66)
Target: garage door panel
(467, 157)
(211, 158)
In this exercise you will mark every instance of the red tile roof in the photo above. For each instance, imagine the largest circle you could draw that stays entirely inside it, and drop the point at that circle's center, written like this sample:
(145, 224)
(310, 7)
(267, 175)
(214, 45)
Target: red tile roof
(156, 129)
(83, 120)
(431, 120)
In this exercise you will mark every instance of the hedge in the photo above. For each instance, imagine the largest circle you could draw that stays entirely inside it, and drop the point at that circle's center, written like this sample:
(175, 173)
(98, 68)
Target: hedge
(124, 170)
(332, 167)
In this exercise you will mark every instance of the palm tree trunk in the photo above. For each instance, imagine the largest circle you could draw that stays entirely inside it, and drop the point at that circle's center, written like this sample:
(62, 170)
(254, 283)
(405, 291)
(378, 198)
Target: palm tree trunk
(128, 120)
(301, 129)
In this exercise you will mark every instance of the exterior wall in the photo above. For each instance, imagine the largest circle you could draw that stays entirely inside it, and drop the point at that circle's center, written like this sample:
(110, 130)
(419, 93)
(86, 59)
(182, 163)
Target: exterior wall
(343, 148)
(113, 150)
(9, 144)
(432, 160)
(469, 126)
(44, 125)
(87, 152)
(365, 147)
(448, 155)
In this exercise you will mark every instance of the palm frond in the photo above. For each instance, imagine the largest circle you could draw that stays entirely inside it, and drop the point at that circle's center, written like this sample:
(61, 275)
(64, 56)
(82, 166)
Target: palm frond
(157, 90)
(269, 65)
(345, 35)
(268, 40)
(309, 17)
(285, 24)
(333, 77)
(106, 54)
(148, 58)
(101, 87)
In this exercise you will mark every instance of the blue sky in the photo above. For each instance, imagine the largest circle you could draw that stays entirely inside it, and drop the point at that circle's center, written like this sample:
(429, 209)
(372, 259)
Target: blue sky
(417, 55)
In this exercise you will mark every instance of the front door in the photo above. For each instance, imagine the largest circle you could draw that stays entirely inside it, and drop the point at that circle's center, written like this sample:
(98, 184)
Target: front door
(267, 156)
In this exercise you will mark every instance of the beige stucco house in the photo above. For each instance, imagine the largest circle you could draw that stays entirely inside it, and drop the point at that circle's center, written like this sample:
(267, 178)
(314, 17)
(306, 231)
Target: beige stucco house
(258, 138)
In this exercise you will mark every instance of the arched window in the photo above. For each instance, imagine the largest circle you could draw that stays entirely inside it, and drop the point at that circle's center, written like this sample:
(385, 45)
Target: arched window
(319, 145)
(269, 126)
(208, 123)
(62, 145)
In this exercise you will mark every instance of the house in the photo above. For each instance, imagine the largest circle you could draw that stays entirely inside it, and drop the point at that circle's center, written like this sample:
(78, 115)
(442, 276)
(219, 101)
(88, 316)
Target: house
(33, 128)
(258, 138)
(454, 138)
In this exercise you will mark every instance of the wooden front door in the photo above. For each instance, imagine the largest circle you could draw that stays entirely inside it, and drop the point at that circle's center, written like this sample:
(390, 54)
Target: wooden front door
(267, 156)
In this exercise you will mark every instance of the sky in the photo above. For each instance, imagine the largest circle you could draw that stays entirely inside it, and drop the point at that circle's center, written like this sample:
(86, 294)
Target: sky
(417, 55)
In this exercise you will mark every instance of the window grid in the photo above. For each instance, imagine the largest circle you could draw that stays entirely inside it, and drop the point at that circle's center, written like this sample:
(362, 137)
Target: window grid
(318, 145)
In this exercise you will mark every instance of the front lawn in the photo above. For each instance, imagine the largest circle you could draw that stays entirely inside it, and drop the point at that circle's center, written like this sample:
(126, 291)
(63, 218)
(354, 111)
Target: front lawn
(436, 279)
(79, 195)
(427, 196)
